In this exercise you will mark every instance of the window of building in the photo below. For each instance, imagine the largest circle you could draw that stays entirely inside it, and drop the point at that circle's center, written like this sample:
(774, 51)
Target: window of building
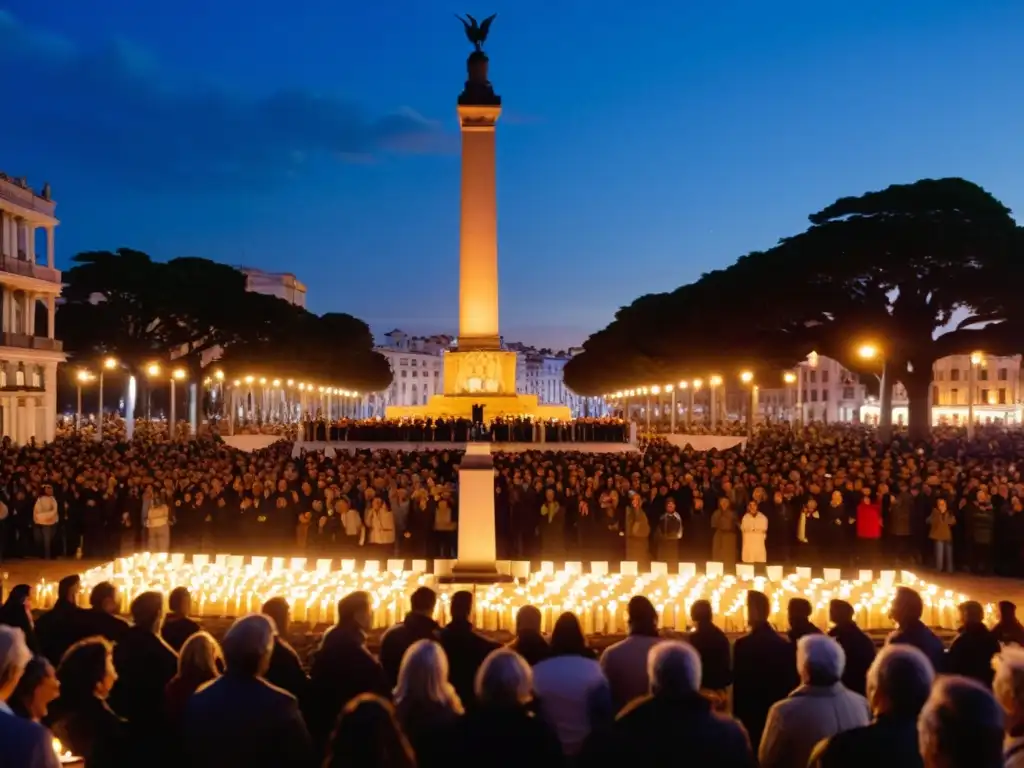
(814, 395)
(940, 375)
(847, 393)
(404, 373)
(824, 395)
(814, 376)
(983, 374)
(954, 375)
(403, 361)
(935, 395)
(1003, 374)
(414, 373)
(954, 396)
(1002, 395)
(984, 396)
(19, 377)
(37, 378)
(824, 376)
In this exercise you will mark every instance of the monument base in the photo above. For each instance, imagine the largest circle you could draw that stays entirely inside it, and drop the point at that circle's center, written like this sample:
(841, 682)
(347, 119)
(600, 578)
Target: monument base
(470, 575)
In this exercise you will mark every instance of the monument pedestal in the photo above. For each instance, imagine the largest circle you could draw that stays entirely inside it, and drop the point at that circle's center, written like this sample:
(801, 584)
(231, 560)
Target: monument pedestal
(477, 559)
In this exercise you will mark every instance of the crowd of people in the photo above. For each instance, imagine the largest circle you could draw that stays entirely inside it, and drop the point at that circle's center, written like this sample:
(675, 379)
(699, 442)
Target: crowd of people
(162, 691)
(503, 429)
(822, 496)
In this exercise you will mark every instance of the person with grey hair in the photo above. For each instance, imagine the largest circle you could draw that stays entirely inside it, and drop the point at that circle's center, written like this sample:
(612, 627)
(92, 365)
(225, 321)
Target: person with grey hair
(961, 726)
(674, 708)
(23, 743)
(1008, 687)
(240, 718)
(502, 727)
(898, 684)
(819, 708)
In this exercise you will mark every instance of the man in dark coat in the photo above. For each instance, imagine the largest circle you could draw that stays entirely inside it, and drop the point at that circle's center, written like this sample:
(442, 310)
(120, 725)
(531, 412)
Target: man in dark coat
(101, 617)
(907, 610)
(858, 647)
(466, 650)
(674, 725)
(178, 627)
(763, 669)
(713, 647)
(239, 718)
(342, 668)
(972, 650)
(418, 625)
(61, 627)
(901, 680)
(285, 670)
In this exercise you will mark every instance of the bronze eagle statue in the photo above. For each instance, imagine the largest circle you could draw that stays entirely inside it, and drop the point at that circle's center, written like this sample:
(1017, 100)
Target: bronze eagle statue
(476, 32)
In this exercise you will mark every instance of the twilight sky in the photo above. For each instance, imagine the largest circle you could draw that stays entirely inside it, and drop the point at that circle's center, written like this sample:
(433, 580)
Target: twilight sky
(642, 143)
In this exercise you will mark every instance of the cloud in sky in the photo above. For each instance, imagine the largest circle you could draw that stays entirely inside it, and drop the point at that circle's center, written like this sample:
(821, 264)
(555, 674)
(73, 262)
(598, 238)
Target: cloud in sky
(111, 111)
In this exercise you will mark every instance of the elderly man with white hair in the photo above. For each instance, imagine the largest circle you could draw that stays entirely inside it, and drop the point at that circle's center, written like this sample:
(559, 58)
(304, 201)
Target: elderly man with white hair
(899, 682)
(1008, 686)
(961, 726)
(240, 718)
(819, 708)
(674, 724)
(23, 743)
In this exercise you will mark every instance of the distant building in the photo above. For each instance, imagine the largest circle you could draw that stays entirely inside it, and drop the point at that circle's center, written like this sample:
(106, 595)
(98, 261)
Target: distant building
(417, 365)
(828, 391)
(541, 372)
(284, 285)
(29, 353)
(996, 396)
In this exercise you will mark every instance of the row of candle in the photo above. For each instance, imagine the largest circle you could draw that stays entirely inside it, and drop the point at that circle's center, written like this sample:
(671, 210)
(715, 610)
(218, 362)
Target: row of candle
(228, 586)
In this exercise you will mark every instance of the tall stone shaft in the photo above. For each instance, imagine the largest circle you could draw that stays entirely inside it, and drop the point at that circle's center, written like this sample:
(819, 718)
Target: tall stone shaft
(478, 246)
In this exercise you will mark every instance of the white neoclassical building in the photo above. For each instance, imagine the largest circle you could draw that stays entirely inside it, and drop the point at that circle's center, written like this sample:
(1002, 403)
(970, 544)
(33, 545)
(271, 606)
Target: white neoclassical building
(822, 387)
(417, 365)
(284, 285)
(29, 353)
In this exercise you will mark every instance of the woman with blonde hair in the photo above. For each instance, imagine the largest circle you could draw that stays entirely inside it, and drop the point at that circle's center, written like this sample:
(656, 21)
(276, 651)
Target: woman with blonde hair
(426, 703)
(200, 662)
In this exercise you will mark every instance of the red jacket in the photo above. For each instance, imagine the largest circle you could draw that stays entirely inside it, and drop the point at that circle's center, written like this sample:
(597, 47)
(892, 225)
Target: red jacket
(869, 520)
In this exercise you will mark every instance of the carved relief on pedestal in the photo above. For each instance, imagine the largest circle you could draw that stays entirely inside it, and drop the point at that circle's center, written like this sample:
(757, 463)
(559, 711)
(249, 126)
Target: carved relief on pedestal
(478, 373)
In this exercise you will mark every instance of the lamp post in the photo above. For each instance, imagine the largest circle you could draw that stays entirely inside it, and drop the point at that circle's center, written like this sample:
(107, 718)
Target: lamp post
(748, 378)
(697, 384)
(82, 377)
(872, 352)
(178, 374)
(672, 404)
(790, 378)
(714, 382)
(109, 364)
(655, 390)
(152, 371)
(972, 377)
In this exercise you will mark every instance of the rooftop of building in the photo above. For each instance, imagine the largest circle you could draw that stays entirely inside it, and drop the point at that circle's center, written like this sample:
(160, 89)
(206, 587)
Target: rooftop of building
(16, 190)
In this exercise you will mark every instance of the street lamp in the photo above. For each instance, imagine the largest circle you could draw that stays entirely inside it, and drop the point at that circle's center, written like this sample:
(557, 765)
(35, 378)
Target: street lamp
(178, 374)
(714, 382)
(747, 377)
(82, 377)
(976, 358)
(109, 364)
(871, 351)
(791, 378)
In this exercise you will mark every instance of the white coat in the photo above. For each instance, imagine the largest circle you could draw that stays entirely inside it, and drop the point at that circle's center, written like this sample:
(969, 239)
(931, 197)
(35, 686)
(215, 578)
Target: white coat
(755, 530)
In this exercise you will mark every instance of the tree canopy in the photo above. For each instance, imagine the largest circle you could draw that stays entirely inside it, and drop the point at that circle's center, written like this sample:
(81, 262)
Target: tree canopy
(892, 267)
(139, 310)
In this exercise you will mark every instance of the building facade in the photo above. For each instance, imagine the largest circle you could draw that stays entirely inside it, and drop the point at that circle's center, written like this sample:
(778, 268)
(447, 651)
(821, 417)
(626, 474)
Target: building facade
(284, 285)
(995, 394)
(824, 390)
(29, 353)
(417, 363)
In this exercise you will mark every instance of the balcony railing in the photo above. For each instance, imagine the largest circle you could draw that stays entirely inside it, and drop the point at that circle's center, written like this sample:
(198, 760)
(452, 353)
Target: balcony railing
(24, 341)
(25, 197)
(27, 268)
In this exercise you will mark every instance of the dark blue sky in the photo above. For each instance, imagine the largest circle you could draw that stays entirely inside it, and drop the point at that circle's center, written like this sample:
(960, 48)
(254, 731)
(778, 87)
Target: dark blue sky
(642, 144)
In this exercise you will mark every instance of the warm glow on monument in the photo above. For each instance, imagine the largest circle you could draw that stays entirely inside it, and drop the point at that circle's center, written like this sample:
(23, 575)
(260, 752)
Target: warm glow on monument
(226, 585)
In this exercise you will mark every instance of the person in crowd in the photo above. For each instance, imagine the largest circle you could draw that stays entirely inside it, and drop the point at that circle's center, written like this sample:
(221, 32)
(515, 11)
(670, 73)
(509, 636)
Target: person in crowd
(754, 529)
(1008, 687)
(1008, 629)
(972, 650)
(942, 521)
(45, 516)
(899, 682)
(503, 716)
(418, 624)
(763, 671)
(23, 743)
(637, 530)
(465, 648)
(285, 670)
(552, 527)
(158, 525)
(17, 613)
(426, 703)
(380, 526)
(723, 542)
(178, 627)
(625, 662)
(81, 717)
(858, 647)
(715, 653)
(529, 642)
(36, 690)
(61, 626)
(572, 693)
(145, 665)
(342, 668)
(368, 736)
(906, 610)
(980, 519)
(869, 529)
(239, 718)
(673, 724)
(821, 707)
(101, 617)
(799, 611)
(669, 533)
(961, 726)
(200, 661)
